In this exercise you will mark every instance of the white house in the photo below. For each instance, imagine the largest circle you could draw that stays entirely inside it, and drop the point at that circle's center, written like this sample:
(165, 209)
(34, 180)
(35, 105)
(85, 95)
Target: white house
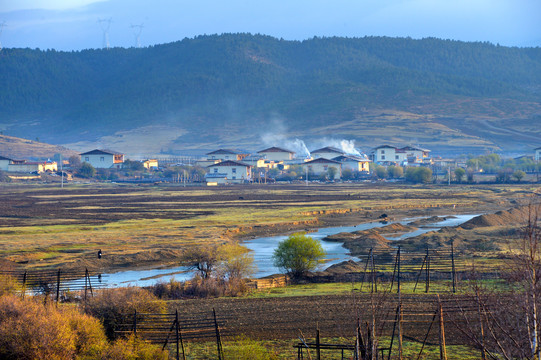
(321, 166)
(4, 163)
(353, 163)
(328, 152)
(277, 154)
(30, 167)
(389, 154)
(229, 172)
(103, 159)
(225, 154)
(537, 156)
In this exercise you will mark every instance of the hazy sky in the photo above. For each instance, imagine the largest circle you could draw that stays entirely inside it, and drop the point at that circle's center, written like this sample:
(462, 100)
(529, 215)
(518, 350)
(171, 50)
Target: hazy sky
(73, 24)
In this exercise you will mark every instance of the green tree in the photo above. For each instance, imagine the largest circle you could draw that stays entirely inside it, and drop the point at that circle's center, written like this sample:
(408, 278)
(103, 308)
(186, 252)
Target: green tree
(395, 172)
(133, 165)
(75, 161)
(381, 172)
(86, 170)
(519, 174)
(419, 174)
(298, 254)
(459, 174)
(331, 173)
(347, 174)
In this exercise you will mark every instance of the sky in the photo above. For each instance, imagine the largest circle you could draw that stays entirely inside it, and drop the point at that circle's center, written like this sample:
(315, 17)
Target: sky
(75, 24)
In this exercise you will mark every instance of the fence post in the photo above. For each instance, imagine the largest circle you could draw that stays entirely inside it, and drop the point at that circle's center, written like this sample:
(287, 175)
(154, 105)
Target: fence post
(58, 286)
(374, 284)
(24, 284)
(483, 355)
(427, 287)
(365, 268)
(443, 350)
(318, 345)
(218, 339)
(134, 329)
(453, 265)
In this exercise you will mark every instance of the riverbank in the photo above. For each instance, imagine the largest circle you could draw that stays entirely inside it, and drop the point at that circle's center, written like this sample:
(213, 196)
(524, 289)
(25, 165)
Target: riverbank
(136, 227)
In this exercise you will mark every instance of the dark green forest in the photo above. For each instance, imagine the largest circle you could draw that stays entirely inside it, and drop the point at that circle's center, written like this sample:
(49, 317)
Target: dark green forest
(239, 79)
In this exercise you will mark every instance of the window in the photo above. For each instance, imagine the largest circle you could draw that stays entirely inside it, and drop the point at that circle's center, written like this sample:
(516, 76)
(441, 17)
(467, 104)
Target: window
(233, 177)
(382, 152)
(102, 158)
(234, 170)
(87, 158)
(215, 170)
(396, 157)
(382, 157)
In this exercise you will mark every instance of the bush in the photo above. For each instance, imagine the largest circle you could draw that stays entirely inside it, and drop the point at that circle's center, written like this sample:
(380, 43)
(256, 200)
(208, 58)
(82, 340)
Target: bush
(110, 305)
(8, 285)
(86, 170)
(124, 349)
(4, 177)
(419, 175)
(31, 330)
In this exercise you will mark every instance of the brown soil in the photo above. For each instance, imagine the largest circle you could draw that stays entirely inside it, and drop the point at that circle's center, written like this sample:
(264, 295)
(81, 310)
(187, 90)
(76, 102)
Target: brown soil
(430, 220)
(517, 216)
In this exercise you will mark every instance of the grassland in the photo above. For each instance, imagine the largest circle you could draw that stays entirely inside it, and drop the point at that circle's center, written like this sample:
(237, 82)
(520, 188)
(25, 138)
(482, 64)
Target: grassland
(45, 226)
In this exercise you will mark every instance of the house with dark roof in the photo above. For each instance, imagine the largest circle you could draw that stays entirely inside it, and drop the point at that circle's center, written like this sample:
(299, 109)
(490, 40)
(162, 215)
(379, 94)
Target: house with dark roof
(228, 172)
(277, 154)
(226, 154)
(328, 152)
(354, 163)
(103, 159)
(321, 166)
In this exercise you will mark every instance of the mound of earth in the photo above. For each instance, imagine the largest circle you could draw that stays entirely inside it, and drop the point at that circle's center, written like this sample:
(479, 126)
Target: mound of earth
(344, 267)
(430, 220)
(395, 228)
(512, 217)
(360, 241)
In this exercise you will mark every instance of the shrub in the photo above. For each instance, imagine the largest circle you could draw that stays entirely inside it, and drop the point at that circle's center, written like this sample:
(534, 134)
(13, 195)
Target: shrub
(419, 175)
(8, 285)
(31, 330)
(110, 305)
(124, 349)
(4, 177)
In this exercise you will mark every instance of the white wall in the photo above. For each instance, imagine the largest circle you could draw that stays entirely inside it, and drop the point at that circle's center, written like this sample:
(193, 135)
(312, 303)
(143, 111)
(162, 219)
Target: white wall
(99, 161)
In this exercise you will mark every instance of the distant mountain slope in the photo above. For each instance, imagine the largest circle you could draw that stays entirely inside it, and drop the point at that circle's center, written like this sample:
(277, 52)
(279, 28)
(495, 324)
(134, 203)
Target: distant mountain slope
(235, 88)
(17, 148)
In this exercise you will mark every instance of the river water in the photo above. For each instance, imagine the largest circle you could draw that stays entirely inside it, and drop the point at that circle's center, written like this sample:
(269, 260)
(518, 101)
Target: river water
(263, 248)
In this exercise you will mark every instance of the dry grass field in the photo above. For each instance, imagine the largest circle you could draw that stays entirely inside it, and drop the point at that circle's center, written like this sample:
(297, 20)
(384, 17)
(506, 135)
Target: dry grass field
(138, 226)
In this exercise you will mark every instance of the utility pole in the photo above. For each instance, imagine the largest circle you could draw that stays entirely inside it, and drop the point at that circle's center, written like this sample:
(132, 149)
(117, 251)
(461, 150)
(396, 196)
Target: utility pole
(449, 175)
(62, 171)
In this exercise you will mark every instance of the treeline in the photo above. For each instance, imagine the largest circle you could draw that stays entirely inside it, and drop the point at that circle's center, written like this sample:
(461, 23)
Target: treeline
(253, 75)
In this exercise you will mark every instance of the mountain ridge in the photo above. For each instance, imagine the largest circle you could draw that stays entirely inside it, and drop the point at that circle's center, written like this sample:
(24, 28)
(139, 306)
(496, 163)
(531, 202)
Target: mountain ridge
(231, 89)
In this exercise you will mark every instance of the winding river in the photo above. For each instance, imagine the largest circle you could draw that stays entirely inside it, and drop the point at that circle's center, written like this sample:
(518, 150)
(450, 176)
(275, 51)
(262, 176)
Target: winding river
(263, 249)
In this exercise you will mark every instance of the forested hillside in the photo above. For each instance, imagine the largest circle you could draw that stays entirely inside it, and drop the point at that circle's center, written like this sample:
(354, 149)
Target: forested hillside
(224, 88)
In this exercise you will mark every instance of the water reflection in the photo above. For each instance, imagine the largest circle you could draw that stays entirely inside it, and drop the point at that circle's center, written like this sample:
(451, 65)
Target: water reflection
(263, 248)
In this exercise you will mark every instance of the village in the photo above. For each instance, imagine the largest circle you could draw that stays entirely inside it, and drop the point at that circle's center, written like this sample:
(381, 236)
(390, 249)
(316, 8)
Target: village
(227, 166)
